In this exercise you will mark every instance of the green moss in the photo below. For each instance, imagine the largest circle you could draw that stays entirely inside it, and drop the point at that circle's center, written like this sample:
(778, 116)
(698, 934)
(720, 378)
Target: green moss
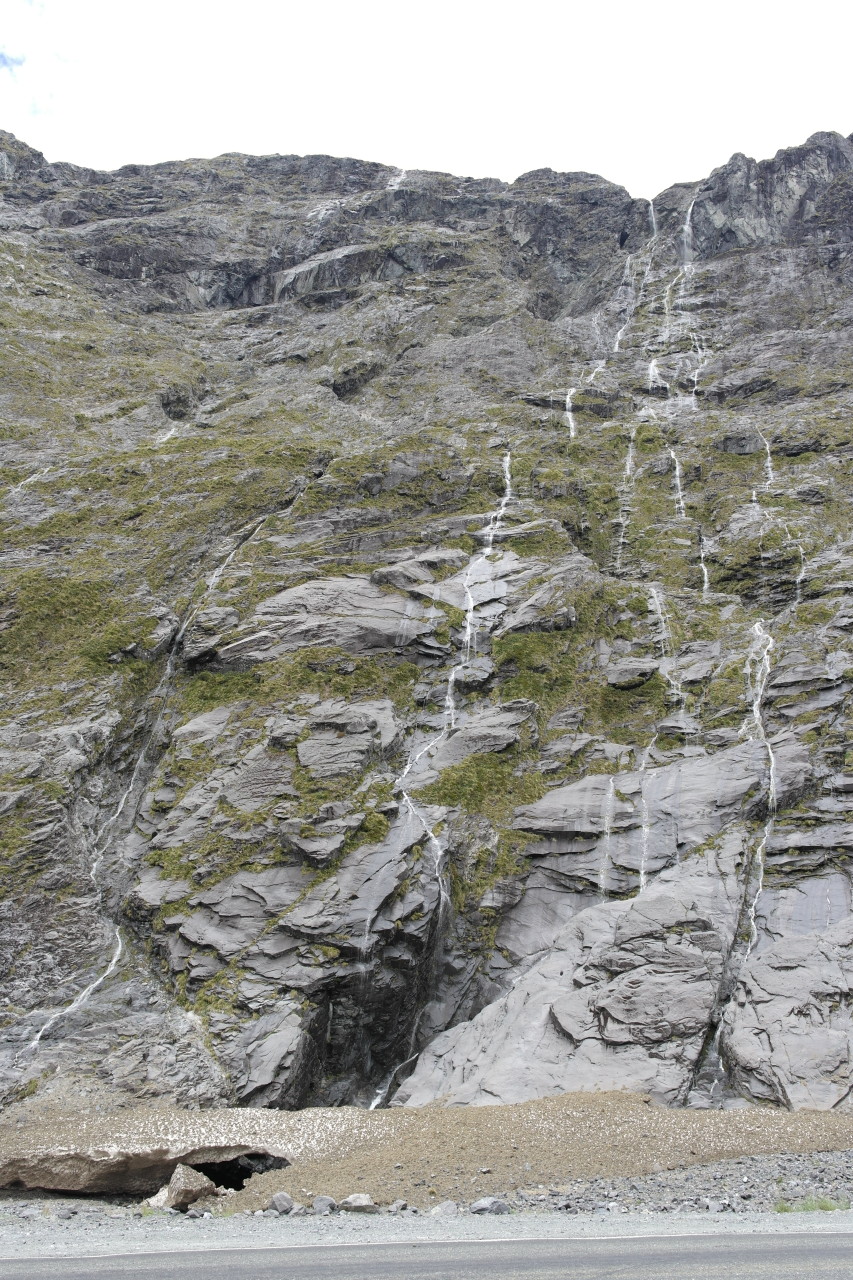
(488, 784)
(811, 1204)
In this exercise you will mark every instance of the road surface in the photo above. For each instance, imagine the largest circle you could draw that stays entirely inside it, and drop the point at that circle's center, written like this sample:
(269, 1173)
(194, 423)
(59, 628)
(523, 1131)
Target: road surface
(801, 1256)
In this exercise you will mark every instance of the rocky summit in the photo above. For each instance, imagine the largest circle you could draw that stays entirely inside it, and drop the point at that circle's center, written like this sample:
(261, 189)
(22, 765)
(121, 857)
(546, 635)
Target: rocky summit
(425, 634)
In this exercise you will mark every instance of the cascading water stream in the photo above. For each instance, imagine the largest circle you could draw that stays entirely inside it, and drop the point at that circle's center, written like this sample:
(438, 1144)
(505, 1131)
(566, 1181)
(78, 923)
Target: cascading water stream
(570, 417)
(655, 379)
(769, 474)
(468, 649)
(679, 491)
(687, 246)
(706, 582)
(28, 480)
(100, 841)
(671, 676)
(644, 811)
(757, 672)
(627, 490)
(607, 836)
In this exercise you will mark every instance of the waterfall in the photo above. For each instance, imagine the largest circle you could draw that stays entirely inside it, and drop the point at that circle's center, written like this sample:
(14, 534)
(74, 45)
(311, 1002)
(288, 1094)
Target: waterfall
(468, 649)
(625, 505)
(757, 672)
(679, 492)
(687, 247)
(769, 474)
(706, 585)
(644, 811)
(398, 179)
(653, 219)
(100, 840)
(654, 377)
(22, 484)
(570, 417)
(658, 604)
(604, 864)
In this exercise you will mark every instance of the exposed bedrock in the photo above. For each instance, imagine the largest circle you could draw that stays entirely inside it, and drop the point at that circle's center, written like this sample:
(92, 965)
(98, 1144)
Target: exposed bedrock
(425, 624)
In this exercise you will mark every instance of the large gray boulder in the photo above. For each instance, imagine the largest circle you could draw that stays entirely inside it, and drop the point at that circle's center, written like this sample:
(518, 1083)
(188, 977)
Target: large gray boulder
(351, 613)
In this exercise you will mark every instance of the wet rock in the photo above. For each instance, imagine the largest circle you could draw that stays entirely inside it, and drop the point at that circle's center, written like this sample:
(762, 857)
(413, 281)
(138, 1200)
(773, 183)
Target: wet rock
(623, 996)
(740, 442)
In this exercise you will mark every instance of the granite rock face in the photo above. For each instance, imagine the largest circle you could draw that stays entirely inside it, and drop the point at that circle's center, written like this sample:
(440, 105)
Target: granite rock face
(426, 621)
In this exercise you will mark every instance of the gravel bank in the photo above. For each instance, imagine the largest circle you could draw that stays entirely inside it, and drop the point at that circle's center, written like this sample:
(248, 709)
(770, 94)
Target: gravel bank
(35, 1228)
(431, 1154)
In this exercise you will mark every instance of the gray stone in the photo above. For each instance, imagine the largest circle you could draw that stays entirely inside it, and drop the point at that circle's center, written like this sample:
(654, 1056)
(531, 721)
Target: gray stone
(351, 613)
(358, 1202)
(187, 1185)
(281, 1202)
(490, 1204)
(323, 1205)
(630, 673)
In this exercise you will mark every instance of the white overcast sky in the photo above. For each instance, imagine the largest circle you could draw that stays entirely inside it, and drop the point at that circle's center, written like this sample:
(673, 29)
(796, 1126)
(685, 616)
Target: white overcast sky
(644, 93)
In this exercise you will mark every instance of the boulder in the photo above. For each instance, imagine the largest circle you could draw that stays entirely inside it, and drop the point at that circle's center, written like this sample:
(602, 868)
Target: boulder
(359, 1202)
(281, 1202)
(630, 673)
(490, 1204)
(135, 1165)
(187, 1185)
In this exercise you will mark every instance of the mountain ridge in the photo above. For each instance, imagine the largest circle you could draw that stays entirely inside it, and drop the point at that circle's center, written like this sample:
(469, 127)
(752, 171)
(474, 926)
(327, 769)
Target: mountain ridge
(425, 631)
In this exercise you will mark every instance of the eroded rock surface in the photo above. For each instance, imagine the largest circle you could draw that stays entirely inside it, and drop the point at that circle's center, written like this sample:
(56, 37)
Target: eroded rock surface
(425, 625)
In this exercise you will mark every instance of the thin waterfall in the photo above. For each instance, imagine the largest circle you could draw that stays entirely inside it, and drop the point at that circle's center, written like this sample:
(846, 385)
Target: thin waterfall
(570, 417)
(679, 491)
(644, 811)
(654, 377)
(769, 474)
(687, 246)
(757, 672)
(658, 603)
(625, 504)
(607, 835)
(706, 584)
(100, 841)
(653, 219)
(468, 649)
(28, 480)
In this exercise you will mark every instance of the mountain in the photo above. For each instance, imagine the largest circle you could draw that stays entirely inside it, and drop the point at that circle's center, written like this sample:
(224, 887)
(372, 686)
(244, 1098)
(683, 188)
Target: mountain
(426, 619)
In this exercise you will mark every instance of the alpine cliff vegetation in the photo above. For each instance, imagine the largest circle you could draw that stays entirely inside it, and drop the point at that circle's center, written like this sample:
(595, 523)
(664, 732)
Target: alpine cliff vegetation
(425, 630)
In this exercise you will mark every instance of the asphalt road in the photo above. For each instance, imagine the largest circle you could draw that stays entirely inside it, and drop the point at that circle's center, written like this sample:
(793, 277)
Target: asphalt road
(803, 1256)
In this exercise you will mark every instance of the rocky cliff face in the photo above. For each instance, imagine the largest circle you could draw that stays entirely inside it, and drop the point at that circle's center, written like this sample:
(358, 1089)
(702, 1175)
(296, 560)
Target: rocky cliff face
(426, 632)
